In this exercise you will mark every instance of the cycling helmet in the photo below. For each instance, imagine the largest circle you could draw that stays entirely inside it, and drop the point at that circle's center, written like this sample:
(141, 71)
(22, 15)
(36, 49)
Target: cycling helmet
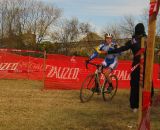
(108, 35)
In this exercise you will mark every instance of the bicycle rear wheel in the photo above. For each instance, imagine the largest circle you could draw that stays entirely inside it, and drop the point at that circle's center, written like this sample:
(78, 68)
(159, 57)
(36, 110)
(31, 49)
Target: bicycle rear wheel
(88, 88)
(107, 96)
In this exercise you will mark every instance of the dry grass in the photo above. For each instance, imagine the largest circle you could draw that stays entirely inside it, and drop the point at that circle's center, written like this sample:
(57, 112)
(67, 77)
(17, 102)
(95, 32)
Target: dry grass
(23, 106)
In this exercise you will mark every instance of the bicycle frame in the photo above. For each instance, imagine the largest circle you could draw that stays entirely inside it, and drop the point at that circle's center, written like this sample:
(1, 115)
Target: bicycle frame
(97, 73)
(86, 92)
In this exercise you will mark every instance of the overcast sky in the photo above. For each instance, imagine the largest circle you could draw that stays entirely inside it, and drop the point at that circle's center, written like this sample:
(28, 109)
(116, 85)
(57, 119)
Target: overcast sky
(100, 12)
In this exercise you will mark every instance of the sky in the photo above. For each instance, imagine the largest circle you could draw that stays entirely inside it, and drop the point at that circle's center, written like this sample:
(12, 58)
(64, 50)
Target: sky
(100, 13)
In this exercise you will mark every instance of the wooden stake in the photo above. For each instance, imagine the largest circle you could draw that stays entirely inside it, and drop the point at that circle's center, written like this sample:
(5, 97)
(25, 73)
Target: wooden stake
(145, 118)
(141, 80)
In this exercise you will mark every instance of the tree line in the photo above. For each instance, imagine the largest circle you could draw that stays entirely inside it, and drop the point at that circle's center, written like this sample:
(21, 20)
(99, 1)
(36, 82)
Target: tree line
(32, 24)
(18, 17)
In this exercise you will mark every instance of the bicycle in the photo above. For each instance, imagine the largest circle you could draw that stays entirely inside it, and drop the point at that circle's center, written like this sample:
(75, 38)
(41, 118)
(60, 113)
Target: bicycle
(92, 83)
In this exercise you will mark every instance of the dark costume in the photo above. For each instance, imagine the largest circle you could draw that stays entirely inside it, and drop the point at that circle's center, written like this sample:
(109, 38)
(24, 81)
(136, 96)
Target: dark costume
(134, 45)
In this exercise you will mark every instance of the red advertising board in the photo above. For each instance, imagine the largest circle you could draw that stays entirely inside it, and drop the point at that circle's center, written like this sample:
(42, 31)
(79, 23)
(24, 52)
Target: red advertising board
(61, 72)
(64, 72)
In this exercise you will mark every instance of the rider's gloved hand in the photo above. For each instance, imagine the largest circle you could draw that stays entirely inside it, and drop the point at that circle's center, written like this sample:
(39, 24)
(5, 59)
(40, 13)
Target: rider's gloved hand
(87, 61)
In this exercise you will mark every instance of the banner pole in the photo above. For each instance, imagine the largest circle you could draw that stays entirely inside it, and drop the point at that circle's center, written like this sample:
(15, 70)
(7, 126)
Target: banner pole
(44, 69)
(146, 102)
(141, 80)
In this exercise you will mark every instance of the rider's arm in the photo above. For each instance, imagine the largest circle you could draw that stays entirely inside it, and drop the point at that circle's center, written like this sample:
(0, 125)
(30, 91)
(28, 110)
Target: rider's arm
(98, 50)
(94, 55)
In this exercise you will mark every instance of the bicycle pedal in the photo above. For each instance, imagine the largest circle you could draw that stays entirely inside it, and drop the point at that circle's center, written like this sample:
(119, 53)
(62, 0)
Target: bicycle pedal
(110, 89)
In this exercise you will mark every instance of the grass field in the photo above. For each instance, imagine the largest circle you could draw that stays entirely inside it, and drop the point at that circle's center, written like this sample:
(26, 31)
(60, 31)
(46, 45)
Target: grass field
(24, 106)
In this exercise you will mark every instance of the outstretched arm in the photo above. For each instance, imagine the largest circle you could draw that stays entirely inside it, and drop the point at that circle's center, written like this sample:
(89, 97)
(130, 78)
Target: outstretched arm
(121, 49)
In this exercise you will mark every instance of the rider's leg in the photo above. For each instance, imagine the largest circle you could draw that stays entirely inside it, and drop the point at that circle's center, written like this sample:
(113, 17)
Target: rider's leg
(107, 72)
(110, 87)
(111, 67)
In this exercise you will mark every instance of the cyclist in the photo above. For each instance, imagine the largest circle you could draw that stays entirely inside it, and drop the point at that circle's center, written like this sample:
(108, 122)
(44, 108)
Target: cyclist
(110, 62)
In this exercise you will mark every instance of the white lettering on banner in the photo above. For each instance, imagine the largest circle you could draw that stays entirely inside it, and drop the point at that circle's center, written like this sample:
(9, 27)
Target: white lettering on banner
(31, 66)
(48, 67)
(63, 72)
(122, 74)
(35, 66)
(8, 66)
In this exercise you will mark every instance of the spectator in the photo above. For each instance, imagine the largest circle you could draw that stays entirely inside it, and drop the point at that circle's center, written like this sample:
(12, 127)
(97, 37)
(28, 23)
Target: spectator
(134, 45)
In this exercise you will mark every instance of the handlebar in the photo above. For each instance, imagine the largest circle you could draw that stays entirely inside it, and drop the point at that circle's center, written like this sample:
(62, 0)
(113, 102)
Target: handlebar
(96, 65)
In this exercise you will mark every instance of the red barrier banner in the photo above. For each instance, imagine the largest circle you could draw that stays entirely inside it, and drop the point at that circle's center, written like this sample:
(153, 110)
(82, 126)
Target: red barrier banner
(14, 66)
(61, 72)
(64, 72)
(18, 50)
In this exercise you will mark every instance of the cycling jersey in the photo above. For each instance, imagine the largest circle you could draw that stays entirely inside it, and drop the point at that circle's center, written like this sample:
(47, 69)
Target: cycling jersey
(110, 59)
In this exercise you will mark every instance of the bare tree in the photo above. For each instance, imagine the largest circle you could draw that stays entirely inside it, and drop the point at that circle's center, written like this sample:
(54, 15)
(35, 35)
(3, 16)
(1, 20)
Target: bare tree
(85, 28)
(114, 30)
(124, 29)
(21, 16)
(127, 26)
(47, 17)
(145, 18)
(2, 17)
(70, 30)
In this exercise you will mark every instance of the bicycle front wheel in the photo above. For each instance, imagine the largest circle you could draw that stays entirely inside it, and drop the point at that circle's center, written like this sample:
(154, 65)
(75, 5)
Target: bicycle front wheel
(87, 89)
(107, 96)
